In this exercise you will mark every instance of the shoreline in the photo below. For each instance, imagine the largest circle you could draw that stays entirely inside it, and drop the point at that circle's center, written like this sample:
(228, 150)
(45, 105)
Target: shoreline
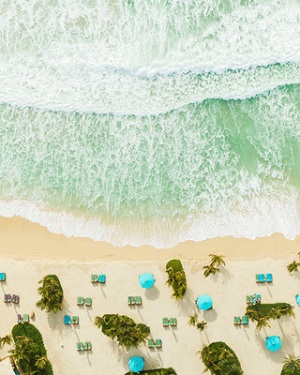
(21, 238)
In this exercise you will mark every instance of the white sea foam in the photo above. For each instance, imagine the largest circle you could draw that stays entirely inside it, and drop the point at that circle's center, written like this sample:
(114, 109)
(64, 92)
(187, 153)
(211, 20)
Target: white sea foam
(120, 94)
(257, 218)
(141, 57)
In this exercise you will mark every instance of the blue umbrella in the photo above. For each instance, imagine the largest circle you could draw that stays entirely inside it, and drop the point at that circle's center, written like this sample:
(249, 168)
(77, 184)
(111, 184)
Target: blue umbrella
(273, 343)
(204, 302)
(136, 364)
(298, 299)
(146, 280)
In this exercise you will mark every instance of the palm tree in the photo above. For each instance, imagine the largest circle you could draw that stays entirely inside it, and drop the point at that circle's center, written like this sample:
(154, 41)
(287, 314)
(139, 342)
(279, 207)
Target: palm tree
(98, 321)
(201, 325)
(217, 260)
(288, 310)
(5, 340)
(20, 352)
(293, 266)
(253, 315)
(177, 280)
(263, 322)
(210, 269)
(41, 363)
(275, 313)
(51, 294)
(193, 320)
(291, 365)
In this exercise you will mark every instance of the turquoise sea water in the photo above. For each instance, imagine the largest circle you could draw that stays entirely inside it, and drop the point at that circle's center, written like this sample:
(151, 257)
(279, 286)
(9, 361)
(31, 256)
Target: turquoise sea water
(151, 122)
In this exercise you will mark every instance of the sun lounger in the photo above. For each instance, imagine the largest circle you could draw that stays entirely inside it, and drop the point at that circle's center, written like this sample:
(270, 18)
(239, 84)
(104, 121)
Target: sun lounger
(102, 279)
(7, 298)
(151, 344)
(165, 322)
(80, 301)
(173, 322)
(256, 298)
(260, 278)
(131, 300)
(87, 345)
(269, 278)
(67, 319)
(236, 320)
(20, 319)
(245, 320)
(80, 346)
(249, 299)
(2, 276)
(88, 302)
(25, 318)
(15, 299)
(138, 300)
(94, 278)
(75, 320)
(158, 343)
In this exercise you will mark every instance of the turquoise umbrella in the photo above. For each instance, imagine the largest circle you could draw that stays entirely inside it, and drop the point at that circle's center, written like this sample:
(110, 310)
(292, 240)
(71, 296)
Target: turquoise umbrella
(273, 343)
(146, 280)
(298, 299)
(204, 302)
(136, 364)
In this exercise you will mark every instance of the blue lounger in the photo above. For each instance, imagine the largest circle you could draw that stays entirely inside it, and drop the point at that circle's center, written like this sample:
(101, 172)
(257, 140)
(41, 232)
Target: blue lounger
(260, 278)
(67, 319)
(102, 279)
(269, 278)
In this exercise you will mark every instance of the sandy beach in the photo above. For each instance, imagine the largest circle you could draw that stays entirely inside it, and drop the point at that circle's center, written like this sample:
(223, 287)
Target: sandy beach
(28, 252)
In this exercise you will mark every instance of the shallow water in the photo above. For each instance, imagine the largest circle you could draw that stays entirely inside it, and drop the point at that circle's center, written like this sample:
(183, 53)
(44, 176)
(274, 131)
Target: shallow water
(151, 122)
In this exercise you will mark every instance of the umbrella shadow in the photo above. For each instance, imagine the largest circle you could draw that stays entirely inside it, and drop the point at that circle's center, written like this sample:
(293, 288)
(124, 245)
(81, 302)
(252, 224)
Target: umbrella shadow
(274, 356)
(210, 315)
(152, 293)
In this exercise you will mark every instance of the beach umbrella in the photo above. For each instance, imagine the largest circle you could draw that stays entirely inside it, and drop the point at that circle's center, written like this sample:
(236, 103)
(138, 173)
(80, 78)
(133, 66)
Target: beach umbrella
(298, 299)
(204, 302)
(146, 280)
(136, 364)
(273, 343)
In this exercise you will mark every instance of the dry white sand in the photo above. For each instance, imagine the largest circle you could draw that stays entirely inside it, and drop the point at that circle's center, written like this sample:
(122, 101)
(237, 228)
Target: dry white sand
(28, 252)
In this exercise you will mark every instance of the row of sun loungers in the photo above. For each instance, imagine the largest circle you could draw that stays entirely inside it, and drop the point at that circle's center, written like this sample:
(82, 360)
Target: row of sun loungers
(166, 322)
(23, 318)
(134, 300)
(152, 344)
(264, 278)
(71, 320)
(11, 298)
(237, 320)
(84, 301)
(81, 346)
(98, 278)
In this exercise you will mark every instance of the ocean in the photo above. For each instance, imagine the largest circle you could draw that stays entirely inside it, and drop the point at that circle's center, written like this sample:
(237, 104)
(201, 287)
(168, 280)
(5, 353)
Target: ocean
(151, 121)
